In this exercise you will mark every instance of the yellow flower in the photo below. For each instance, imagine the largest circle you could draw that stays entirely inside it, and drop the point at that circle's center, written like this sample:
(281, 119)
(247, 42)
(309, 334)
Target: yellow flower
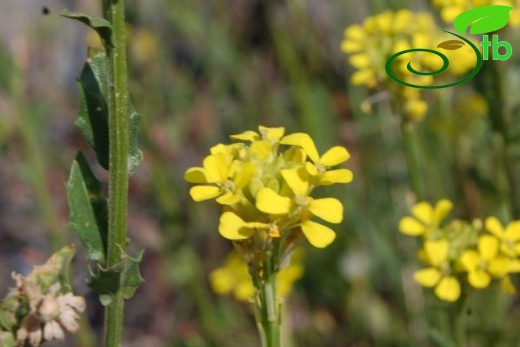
(233, 277)
(439, 274)
(302, 207)
(509, 237)
(425, 218)
(271, 134)
(334, 156)
(232, 227)
(369, 46)
(227, 178)
(266, 183)
(452, 8)
(485, 263)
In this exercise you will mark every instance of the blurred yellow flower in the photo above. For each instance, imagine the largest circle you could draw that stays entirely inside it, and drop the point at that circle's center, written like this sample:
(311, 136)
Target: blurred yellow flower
(440, 273)
(425, 218)
(509, 237)
(370, 45)
(485, 263)
(233, 277)
(452, 8)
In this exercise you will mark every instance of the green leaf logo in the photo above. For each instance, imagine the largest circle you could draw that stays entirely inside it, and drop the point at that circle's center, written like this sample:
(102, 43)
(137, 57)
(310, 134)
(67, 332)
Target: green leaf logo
(482, 20)
(451, 45)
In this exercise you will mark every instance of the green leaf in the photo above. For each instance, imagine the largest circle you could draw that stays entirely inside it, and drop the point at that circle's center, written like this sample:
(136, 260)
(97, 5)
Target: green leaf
(93, 110)
(483, 20)
(93, 113)
(451, 45)
(134, 153)
(100, 25)
(88, 209)
(124, 276)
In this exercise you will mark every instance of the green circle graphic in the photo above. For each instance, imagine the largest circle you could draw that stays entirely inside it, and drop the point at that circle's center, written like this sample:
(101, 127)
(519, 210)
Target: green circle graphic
(445, 64)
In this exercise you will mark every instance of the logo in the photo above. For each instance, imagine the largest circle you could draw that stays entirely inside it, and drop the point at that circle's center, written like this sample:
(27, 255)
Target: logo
(480, 20)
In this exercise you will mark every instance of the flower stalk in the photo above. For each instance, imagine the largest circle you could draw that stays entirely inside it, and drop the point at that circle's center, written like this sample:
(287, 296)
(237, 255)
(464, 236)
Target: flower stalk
(113, 11)
(269, 318)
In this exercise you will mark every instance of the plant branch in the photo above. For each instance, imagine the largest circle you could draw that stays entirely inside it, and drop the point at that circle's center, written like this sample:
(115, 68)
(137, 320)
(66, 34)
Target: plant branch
(118, 161)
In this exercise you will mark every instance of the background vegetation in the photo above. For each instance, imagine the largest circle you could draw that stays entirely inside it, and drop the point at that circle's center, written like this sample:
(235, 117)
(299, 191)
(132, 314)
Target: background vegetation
(204, 69)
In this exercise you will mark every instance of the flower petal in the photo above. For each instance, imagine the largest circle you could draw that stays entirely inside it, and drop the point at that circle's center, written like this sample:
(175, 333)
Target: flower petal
(448, 289)
(232, 227)
(269, 202)
(355, 32)
(437, 251)
(479, 279)
(336, 176)
(201, 193)
(334, 156)
(411, 226)
(246, 136)
(229, 199)
(196, 175)
(297, 180)
(328, 209)
(494, 226)
(318, 235)
(513, 231)
(351, 46)
(244, 175)
(273, 134)
(488, 247)
(216, 166)
(470, 260)
(305, 142)
(499, 267)
(441, 210)
(427, 277)
(360, 60)
(222, 280)
(261, 148)
(365, 76)
(424, 212)
(311, 169)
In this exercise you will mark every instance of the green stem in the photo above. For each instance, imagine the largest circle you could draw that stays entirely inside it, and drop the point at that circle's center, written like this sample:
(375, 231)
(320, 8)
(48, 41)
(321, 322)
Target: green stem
(267, 310)
(410, 149)
(118, 161)
(459, 322)
(501, 124)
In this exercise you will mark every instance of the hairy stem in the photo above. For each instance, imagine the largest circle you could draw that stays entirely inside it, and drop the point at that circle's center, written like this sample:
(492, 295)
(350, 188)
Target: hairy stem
(118, 161)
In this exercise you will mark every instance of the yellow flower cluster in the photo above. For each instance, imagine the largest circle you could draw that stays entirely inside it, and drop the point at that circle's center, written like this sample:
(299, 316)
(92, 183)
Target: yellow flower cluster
(452, 8)
(461, 250)
(371, 44)
(233, 277)
(266, 192)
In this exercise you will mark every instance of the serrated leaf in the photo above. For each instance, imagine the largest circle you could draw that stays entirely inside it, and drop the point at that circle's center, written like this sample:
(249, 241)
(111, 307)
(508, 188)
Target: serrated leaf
(483, 20)
(451, 45)
(88, 209)
(93, 113)
(93, 110)
(124, 276)
(100, 25)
